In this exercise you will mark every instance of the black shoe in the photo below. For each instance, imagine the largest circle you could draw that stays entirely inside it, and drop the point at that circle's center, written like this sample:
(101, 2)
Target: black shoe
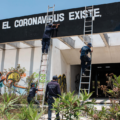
(86, 69)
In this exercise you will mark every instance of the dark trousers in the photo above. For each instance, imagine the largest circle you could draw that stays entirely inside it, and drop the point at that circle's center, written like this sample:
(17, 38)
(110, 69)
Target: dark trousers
(45, 44)
(85, 59)
(30, 99)
(50, 102)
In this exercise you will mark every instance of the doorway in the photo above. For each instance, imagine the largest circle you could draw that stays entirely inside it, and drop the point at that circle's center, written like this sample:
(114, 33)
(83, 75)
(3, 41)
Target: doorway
(98, 75)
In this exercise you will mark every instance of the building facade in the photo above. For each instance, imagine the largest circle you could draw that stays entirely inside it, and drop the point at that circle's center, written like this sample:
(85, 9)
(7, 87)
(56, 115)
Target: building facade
(20, 43)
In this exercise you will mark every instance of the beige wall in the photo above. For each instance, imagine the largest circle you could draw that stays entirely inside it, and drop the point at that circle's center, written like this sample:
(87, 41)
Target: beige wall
(100, 55)
(60, 66)
(61, 60)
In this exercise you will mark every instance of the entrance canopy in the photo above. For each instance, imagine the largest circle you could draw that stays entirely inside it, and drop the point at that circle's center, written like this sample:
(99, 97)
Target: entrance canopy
(106, 47)
(73, 42)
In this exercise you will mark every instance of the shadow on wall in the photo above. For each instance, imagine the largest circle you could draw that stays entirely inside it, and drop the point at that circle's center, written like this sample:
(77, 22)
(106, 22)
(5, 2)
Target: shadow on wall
(77, 82)
(62, 82)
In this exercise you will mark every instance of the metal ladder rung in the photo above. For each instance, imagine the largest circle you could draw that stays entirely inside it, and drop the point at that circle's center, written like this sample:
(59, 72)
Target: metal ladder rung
(88, 31)
(85, 76)
(84, 89)
(51, 7)
(44, 77)
(88, 26)
(41, 94)
(87, 70)
(89, 7)
(88, 21)
(45, 59)
(43, 70)
(84, 82)
(44, 54)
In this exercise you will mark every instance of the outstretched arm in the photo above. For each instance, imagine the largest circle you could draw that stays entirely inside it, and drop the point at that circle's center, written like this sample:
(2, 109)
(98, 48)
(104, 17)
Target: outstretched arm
(56, 25)
(40, 89)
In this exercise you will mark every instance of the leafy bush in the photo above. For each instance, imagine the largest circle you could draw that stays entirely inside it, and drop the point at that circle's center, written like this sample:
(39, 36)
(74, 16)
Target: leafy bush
(70, 105)
(7, 104)
(97, 115)
(114, 83)
(29, 113)
(22, 99)
(9, 117)
(113, 113)
(22, 113)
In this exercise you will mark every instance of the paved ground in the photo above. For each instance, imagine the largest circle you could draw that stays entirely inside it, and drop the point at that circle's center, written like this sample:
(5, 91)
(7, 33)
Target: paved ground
(98, 106)
(45, 117)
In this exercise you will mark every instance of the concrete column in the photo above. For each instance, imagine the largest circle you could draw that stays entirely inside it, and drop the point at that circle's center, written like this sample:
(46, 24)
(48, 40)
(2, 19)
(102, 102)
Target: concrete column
(31, 61)
(68, 78)
(2, 63)
(17, 57)
(3, 59)
(50, 63)
(16, 63)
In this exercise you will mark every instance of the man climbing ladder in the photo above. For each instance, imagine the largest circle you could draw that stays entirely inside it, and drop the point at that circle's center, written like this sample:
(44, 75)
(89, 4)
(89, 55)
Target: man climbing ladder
(85, 78)
(45, 62)
(84, 58)
(47, 36)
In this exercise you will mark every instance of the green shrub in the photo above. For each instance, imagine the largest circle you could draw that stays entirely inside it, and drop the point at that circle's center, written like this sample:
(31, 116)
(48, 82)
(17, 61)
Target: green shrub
(21, 100)
(29, 113)
(70, 105)
(7, 104)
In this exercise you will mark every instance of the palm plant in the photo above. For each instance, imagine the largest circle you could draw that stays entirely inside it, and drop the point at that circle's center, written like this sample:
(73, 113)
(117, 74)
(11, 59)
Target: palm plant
(29, 113)
(7, 104)
(9, 117)
(70, 105)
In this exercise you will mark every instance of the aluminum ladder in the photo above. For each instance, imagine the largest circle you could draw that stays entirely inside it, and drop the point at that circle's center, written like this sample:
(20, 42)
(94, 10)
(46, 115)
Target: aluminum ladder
(44, 63)
(85, 81)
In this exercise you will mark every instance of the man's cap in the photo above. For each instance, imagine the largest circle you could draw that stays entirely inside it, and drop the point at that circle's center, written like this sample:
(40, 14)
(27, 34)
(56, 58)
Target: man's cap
(90, 44)
(55, 77)
(32, 84)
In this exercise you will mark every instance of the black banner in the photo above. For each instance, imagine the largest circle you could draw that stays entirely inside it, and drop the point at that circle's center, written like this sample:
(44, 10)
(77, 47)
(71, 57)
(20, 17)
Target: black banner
(107, 19)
